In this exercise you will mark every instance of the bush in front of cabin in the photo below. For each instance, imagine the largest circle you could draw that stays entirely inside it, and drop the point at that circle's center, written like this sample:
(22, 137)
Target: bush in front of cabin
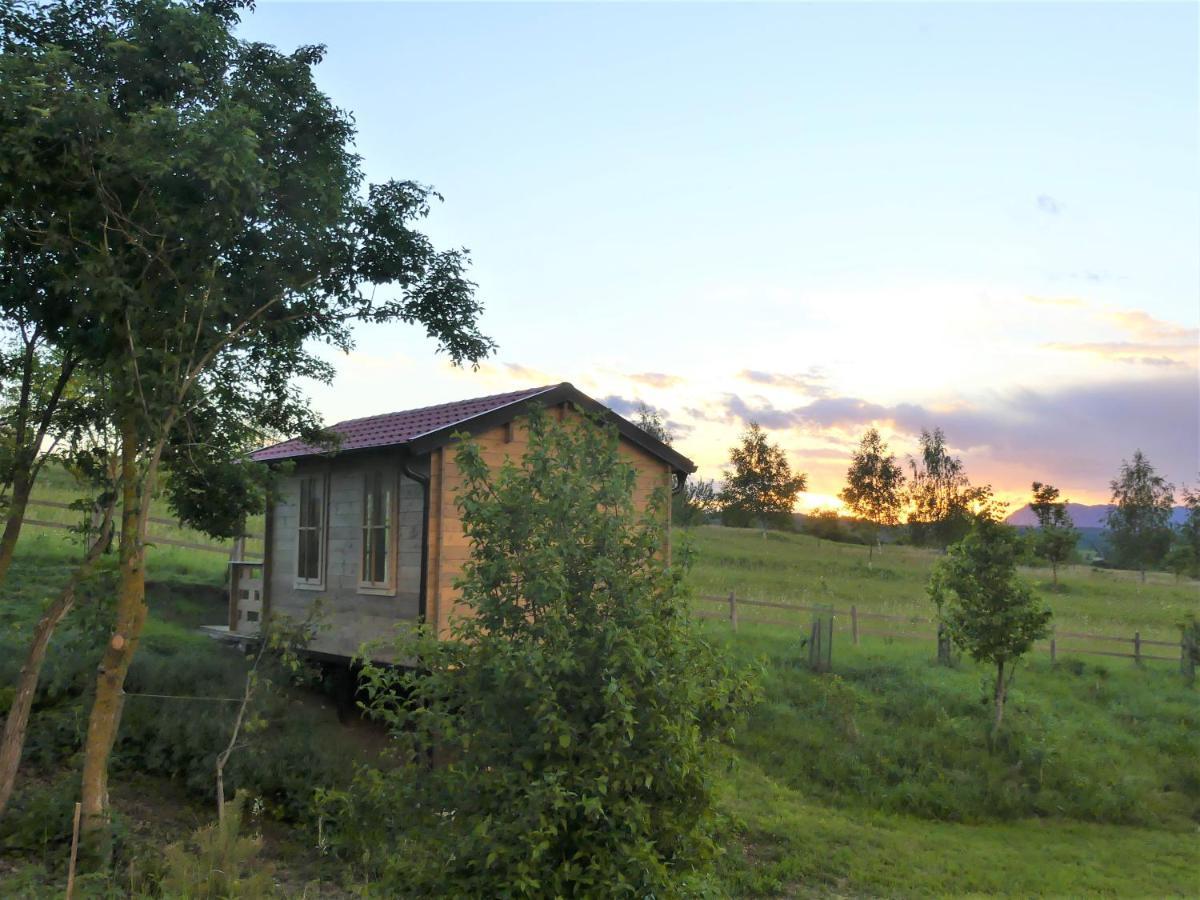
(561, 743)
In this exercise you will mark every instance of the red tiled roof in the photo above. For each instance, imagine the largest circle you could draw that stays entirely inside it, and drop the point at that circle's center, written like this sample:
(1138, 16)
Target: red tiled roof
(400, 427)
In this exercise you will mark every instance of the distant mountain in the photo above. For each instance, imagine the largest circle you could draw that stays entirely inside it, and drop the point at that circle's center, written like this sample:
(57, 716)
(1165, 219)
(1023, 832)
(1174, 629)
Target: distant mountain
(1082, 514)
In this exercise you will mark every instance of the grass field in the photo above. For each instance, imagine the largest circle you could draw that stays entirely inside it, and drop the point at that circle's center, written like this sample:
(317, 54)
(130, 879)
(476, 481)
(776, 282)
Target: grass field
(56, 486)
(877, 780)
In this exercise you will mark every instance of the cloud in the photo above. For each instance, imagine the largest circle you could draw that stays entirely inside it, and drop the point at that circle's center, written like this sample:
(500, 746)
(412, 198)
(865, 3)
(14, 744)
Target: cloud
(1142, 325)
(628, 409)
(1048, 205)
(1142, 339)
(656, 379)
(1073, 435)
(527, 374)
(622, 406)
(812, 383)
(1132, 352)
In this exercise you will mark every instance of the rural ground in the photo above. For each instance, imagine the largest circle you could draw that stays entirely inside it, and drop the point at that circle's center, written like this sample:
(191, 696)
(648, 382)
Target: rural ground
(875, 780)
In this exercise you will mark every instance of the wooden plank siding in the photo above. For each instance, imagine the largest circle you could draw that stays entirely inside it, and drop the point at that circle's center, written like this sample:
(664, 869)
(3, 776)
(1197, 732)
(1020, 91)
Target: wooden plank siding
(351, 613)
(449, 547)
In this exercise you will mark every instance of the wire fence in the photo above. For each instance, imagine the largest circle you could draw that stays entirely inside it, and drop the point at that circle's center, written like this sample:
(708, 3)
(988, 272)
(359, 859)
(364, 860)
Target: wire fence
(862, 624)
(235, 549)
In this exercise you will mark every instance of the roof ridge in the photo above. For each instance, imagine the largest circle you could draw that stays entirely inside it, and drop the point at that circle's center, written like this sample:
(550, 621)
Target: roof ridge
(433, 406)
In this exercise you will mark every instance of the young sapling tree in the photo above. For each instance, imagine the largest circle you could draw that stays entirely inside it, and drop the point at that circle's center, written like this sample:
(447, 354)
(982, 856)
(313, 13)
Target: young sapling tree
(1055, 537)
(1139, 523)
(988, 611)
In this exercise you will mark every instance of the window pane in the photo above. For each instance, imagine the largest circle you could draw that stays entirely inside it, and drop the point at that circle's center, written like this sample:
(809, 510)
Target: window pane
(301, 556)
(308, 562)
(379, 555)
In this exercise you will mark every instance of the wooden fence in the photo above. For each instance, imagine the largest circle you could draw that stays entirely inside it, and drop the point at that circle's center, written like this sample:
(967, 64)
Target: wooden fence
(234, 549)
(1053, 647)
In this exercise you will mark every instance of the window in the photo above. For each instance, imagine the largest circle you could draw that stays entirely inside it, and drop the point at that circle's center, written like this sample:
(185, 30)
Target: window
(311, 531)
(376, 530)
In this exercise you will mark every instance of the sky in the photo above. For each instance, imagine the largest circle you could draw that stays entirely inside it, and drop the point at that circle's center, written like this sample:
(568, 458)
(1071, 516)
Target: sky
(984, 218)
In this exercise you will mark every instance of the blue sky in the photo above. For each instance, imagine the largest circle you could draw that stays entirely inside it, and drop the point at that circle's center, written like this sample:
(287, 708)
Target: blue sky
(985, 217)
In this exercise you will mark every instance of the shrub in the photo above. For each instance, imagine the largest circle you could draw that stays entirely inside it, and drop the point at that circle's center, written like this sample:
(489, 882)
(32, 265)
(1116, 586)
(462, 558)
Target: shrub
(216, 862)
(572, 719)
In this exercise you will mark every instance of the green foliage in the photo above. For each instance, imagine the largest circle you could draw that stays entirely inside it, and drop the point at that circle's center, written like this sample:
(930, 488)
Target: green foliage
(283, 759)
(761, 488)
(988, 611)
(217, 862)
(827, 525)
(1055, 537)
(40, 815)
(573, 716)
(943, 500)
(651, 421)
(891, 732)
(695, 504)
(1184, 556)
(1139, 525)
(874, 482)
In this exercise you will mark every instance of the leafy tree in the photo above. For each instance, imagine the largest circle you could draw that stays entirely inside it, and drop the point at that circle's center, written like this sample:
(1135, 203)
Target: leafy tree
(1056, 537)
(1184, 556)
(214, 224)
(37, 406)
(577, 707)
(988, 611)
(762, 485)
(96, 469)
(695, 503)
(825, 525)
(1139, 524)
(650, 420)
(874, 486)
(942, 498)
(1180, 560)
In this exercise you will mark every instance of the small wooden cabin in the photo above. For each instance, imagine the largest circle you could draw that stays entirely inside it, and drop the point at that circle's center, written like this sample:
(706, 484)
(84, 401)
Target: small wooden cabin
(373, 528)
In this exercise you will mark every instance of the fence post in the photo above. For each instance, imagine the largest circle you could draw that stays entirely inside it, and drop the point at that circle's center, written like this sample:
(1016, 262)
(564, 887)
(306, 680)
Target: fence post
(1137, 647)
(1053, 649)
(237, 549)
(854, 623)
(732, 611)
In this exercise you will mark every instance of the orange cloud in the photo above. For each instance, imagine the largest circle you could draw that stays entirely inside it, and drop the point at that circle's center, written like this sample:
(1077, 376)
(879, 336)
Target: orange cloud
(656, 379)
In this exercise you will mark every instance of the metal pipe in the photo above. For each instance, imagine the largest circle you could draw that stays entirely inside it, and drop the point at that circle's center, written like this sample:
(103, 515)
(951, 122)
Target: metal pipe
(423, 480)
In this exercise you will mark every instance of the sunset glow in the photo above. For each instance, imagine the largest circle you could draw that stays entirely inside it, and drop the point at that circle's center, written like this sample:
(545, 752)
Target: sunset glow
(800, 216)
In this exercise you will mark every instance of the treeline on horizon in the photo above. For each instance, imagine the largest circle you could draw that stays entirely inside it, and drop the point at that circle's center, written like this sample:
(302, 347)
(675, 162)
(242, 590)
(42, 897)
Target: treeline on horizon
(935, 504)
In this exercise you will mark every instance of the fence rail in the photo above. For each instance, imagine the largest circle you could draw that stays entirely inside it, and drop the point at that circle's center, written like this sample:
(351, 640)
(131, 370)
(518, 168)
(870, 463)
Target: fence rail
(733, 603)
(236, 548)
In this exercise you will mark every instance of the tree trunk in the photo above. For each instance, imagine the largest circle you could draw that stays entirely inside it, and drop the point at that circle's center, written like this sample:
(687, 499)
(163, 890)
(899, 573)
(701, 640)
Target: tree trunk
(105, 716)
(13, 741)
(1000, 691)
(13, 519)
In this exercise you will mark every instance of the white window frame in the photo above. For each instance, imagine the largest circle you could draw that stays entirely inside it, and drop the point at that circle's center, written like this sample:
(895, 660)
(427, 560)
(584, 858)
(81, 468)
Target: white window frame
(318, 583)
(387, 587)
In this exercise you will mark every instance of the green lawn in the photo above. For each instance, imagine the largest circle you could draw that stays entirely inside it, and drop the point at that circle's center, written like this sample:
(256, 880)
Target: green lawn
(879, 780)
(799, 569)
(55, 485)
